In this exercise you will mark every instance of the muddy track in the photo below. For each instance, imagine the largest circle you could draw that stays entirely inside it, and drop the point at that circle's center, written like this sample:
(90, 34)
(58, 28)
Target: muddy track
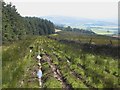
(57, 73)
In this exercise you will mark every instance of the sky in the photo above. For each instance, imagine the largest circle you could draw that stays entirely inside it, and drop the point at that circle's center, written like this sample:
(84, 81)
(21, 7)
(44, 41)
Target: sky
(100, 9)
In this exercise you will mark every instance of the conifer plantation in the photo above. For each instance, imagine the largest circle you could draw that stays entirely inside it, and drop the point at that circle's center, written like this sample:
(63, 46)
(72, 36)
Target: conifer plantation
(15, 27)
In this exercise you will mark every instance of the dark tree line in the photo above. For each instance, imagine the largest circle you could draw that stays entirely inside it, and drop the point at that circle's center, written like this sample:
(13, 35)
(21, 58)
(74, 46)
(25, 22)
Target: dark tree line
(15, 27)
(68, 28)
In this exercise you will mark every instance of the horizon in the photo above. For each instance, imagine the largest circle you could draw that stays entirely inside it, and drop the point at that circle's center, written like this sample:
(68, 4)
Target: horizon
(111, 20)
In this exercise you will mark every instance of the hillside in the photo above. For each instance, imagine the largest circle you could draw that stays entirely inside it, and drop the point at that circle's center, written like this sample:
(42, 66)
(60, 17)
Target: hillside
(77, 69)
(16, 27)
(36, 54)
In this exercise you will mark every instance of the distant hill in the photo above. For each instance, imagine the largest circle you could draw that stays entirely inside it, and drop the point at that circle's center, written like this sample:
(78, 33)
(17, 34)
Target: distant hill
(77, 22)
(98, 26)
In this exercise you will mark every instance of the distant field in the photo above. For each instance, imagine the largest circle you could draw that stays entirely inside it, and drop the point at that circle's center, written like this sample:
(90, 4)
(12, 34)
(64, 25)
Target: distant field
(102, 32)
(105, 30)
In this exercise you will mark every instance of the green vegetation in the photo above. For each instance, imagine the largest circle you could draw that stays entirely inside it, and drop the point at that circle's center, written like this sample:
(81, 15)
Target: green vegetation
(75, 30)
(83, 38)
(85, 70)
(15, 27)
(95, 44)
(66, 53)
(14, 62)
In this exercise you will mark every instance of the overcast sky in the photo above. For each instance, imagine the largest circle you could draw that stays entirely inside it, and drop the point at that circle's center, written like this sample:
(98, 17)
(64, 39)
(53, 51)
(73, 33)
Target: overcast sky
(100, 9)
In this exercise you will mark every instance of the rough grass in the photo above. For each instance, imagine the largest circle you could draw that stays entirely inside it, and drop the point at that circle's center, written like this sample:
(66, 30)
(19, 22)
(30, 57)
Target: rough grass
(19, 63)
(96, 39)
(15, 58)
